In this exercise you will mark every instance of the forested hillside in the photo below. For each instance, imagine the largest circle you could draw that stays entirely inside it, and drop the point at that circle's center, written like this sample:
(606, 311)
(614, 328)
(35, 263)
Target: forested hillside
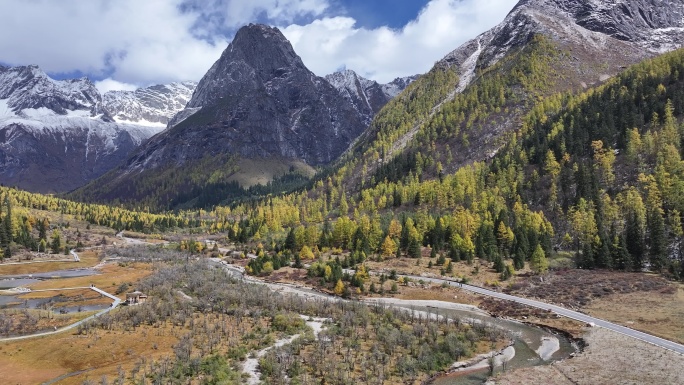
(599, 174)
(24, 223)
(609, 166)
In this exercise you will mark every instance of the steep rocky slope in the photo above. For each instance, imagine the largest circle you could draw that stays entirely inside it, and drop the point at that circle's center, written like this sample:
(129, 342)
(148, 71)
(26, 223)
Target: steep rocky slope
(367, 96)
(257, 102)
(612, 33)
(150, 106)
(56, 135)
(577, 44)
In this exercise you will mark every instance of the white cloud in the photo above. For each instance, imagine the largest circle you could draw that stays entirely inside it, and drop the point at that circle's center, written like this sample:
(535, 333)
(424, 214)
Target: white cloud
(159, 41)
(110, 84)
(280, 11)
(383, 53)
(133, 41)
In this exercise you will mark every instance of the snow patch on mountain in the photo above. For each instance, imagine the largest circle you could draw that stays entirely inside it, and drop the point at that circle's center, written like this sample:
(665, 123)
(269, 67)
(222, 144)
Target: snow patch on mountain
(366, 96)
(152, 106)
(67, 132)
(468, 68)
(29, 87)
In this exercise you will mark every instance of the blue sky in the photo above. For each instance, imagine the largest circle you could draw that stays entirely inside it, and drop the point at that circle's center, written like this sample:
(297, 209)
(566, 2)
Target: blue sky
(378, 13)
(125, 44)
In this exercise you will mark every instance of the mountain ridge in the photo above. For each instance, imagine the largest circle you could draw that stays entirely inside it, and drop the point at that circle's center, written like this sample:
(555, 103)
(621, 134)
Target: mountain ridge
(257, 102)
(367, 96)
(56, 135)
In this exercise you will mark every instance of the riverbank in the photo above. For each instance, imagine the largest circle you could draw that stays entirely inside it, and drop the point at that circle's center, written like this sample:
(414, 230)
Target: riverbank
(608, 358)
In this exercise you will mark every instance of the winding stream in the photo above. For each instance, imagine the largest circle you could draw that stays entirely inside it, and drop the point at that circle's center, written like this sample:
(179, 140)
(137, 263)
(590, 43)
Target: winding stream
(531, 346)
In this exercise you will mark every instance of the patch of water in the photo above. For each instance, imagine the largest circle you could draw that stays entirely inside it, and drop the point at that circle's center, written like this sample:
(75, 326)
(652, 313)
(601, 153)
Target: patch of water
(533, 346)
(15, 302)
(13, 281)
(16, 282)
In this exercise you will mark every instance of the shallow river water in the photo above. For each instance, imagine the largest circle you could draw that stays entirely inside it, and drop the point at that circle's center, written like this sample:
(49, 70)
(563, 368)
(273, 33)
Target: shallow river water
(533, 346)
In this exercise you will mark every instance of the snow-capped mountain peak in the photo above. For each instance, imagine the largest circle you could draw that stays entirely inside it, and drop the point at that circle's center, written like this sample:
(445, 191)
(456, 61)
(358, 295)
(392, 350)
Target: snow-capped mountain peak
(63, 130)
(624, 31)
(367, 96)
(28, 87)
(151, 106)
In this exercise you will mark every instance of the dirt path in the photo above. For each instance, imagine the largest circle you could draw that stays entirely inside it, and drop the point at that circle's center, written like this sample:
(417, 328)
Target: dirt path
(115, 303)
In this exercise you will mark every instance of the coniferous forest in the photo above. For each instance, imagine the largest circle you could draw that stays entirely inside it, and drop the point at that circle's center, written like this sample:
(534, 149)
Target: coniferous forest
(598, 174)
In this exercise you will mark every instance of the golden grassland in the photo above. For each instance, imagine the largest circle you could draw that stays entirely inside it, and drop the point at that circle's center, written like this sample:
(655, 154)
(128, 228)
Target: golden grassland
(659, 313)
(111, 277)
(261, 171)
(46, 320)
(103, 352)
(41, 359)
(89, 258)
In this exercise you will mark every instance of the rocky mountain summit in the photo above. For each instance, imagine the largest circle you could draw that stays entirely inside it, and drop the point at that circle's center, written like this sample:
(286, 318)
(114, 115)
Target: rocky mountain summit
(150, 106)
(58, 135)
(28, 87)
(604, 34)
(259, 100)
(257, 109)
(367, 96)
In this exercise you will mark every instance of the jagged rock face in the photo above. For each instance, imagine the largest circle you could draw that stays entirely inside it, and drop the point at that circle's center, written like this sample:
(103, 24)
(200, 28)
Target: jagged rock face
(258, 101)
(367, 96)
(658, 23)
(151, 106)
(28, 87)
(610, 34)
(396, 86)
(56, 136)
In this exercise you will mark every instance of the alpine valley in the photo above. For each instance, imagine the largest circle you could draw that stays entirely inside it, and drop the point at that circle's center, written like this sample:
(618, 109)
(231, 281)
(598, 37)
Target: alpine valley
(512, 216)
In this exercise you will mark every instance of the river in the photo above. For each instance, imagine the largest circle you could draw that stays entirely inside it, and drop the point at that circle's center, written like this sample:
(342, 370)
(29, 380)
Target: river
(531, 346)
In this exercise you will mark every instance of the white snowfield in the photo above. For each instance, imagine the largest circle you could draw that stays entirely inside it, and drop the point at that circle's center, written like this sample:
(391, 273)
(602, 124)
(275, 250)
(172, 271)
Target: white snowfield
(32, 101)
(153, 106)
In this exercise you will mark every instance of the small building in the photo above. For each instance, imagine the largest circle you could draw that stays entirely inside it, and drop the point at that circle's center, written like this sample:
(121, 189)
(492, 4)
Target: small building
(136, 298)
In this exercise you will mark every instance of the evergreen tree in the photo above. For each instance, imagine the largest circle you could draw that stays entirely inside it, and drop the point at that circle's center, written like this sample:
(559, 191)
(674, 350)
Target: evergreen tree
(414, 248)
(618, 251)
(290, 241)
(634, 239)
(56, 244)
(9, 226)
(521, 249)
(538, 262)
(657, 237)
(499, 265)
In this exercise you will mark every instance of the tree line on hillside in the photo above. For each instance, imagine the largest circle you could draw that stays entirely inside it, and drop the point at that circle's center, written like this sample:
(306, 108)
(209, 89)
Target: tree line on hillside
(604, 167)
